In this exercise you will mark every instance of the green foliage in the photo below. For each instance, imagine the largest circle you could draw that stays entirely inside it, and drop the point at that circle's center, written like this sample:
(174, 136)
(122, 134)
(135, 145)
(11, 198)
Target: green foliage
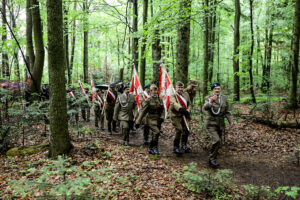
(258, 192)
(60, 180)
(205, 181)
(288, 191)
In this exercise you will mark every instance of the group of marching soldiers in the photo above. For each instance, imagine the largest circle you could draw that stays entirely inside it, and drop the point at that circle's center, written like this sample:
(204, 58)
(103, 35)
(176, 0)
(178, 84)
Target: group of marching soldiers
(122, 109)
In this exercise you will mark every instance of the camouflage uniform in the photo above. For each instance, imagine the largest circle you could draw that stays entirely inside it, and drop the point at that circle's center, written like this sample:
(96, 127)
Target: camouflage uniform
(124, 112)
(109, 111)
(177, 120)
(214, 123)
(98, 113)
(153, 111)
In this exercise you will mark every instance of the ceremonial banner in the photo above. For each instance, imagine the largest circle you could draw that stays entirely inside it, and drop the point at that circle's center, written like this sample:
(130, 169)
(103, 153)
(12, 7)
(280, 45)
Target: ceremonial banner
(135, 87)
(165, 88)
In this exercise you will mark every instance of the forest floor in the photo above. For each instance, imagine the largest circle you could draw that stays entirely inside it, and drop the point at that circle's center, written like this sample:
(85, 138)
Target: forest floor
(256, 154)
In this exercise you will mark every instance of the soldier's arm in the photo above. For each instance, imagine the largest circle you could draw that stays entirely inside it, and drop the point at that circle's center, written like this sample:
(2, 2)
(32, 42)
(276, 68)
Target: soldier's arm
(228, 113)
(162, 115)
(174, 104)
(189, 108)
(116, 110)
(143, 111)
(207, 105)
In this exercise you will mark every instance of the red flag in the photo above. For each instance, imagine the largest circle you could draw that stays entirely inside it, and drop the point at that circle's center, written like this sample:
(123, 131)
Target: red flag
(135, 87)
(93, 89)
(165, 89)
(71, 94)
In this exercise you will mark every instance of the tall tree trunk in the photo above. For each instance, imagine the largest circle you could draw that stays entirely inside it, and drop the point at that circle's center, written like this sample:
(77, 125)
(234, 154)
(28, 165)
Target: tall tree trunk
(73, 45)
(39, 48)
(144, 40)
(60, 142)
(85, 44)
(295, 58)
(121, 75)
(135, 53)
(218, 50)
(5, 67)
(236, 83)
(212, 37)
(156, 56)
(29, 43)
(66, 40)
(205, 47)
(251, 53)
(183, 42)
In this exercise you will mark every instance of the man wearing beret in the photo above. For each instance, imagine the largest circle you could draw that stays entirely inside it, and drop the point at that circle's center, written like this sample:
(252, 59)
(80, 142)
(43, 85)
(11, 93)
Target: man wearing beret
(144, 96)
(124, 112)
(111, 99)
(193, 83)
(216, 108)
(153, 111)
(180, 105)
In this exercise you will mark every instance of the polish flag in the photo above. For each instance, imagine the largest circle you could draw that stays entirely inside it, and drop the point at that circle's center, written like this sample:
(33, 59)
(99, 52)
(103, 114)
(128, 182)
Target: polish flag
(71, 94)
(165, 89)
(81, 88)
(135, 87)
(93, 89)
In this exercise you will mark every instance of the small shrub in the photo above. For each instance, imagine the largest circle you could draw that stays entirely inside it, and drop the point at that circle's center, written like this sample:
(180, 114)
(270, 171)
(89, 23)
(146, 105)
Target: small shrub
(288, 191)
(214, 184)
(258, 192)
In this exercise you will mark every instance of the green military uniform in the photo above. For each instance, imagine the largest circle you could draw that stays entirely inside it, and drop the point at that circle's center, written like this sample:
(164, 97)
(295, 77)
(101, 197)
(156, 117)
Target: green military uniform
(143, 96)
(124, 112)
(109, 110)
(191, 91)
(98, 112)
(73, 105)
(153, 111)
(178, 122)
(215, 113)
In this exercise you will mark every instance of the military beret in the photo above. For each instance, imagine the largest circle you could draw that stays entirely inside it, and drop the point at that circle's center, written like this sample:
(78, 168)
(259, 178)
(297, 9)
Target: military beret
(147, 86)
(126, 86)
(216, 84)
(193, 82)
(153, 87)
(179, 83)
(112, 85)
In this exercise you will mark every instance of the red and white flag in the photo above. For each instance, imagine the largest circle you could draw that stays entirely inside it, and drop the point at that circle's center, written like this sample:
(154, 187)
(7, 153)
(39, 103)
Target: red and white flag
(135, 87)
(81, 88)
(93, 89)
(165, 89)
(71, 94)
(146, 95)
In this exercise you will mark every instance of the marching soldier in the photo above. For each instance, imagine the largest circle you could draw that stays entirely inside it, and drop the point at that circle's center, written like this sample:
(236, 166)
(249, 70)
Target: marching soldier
(73, 104)
(216, 108)
(85, 107)
(98, 106)
(124, 112)
(180, 105)
(143, 96)
(153, 109)
(193, 83)
(112, 96)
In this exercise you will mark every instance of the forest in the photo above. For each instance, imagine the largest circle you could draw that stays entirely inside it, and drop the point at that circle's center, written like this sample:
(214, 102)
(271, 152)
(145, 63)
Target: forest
(150, 72)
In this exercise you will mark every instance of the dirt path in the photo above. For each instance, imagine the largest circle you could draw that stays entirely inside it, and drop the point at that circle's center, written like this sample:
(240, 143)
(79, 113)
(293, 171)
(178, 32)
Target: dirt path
(257, 169)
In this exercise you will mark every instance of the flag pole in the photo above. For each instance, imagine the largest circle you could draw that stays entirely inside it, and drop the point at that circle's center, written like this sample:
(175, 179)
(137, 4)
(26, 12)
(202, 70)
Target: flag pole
(177, 100)
(105, 100)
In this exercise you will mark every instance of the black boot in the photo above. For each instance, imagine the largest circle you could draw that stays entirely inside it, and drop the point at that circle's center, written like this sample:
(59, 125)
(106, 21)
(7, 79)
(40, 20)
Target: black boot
(213, 163)
(155, 150)
(176, 149)
(184, 147)
(109, 128)
(151, 146)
